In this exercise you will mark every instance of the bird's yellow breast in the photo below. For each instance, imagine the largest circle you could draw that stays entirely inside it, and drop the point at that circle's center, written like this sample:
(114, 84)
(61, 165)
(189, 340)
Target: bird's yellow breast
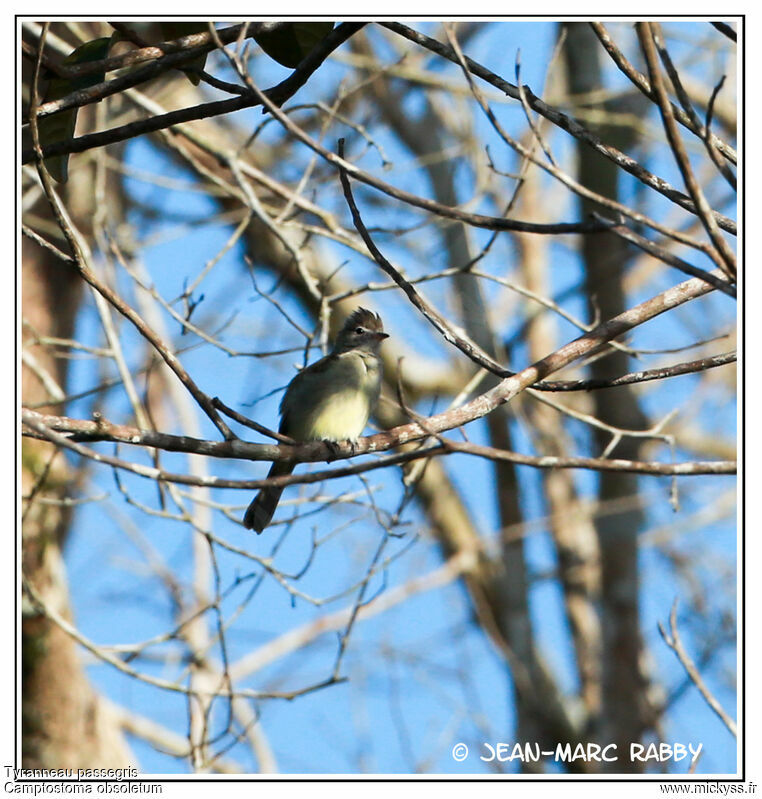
(342, 416)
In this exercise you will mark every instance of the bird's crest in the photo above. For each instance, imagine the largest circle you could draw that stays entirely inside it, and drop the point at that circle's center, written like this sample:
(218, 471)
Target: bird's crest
(362, 317)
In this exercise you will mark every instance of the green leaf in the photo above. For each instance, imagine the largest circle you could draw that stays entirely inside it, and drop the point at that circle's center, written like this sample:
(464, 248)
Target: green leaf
(175, 30)
(290, 43)
(60, 127)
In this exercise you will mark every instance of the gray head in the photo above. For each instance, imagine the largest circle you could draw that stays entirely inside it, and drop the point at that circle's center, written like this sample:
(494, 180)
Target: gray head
(362, 330)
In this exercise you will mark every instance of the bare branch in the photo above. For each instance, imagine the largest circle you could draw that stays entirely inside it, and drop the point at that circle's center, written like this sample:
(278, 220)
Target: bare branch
(565, 122)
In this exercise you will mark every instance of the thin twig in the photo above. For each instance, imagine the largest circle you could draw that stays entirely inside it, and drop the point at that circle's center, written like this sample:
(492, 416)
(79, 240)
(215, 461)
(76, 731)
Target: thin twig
(674, 642)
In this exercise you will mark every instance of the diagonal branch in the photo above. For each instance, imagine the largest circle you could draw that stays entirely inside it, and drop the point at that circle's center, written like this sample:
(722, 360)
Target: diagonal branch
(663, 254)
(464, 344)
(725, 29)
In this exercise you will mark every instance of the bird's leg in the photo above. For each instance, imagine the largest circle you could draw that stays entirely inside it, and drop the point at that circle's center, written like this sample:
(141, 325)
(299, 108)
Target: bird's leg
(334, 446)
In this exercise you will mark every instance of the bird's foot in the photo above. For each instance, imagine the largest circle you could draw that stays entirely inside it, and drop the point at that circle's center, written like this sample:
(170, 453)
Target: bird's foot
(337, 446)
(334, 447)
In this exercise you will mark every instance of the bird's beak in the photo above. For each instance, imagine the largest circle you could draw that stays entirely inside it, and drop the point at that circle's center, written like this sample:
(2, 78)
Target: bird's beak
(382, 336)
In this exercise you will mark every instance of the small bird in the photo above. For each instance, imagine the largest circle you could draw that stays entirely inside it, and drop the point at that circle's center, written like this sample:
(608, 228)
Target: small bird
(330, 400)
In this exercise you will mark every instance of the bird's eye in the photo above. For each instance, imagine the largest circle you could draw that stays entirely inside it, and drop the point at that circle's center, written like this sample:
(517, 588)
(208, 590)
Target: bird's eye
(359, 330)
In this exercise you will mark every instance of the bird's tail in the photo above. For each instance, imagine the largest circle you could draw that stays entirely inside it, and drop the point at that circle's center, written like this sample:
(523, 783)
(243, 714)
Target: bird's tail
(262, 508)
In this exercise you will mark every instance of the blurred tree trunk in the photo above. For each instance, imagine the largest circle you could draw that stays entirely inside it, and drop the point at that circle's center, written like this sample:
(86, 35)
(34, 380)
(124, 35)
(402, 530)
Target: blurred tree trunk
(625, 714)
(65, 723)
(569, 521)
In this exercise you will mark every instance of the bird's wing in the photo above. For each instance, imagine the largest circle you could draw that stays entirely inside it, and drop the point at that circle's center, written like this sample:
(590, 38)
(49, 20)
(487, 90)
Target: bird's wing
(293, 388)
